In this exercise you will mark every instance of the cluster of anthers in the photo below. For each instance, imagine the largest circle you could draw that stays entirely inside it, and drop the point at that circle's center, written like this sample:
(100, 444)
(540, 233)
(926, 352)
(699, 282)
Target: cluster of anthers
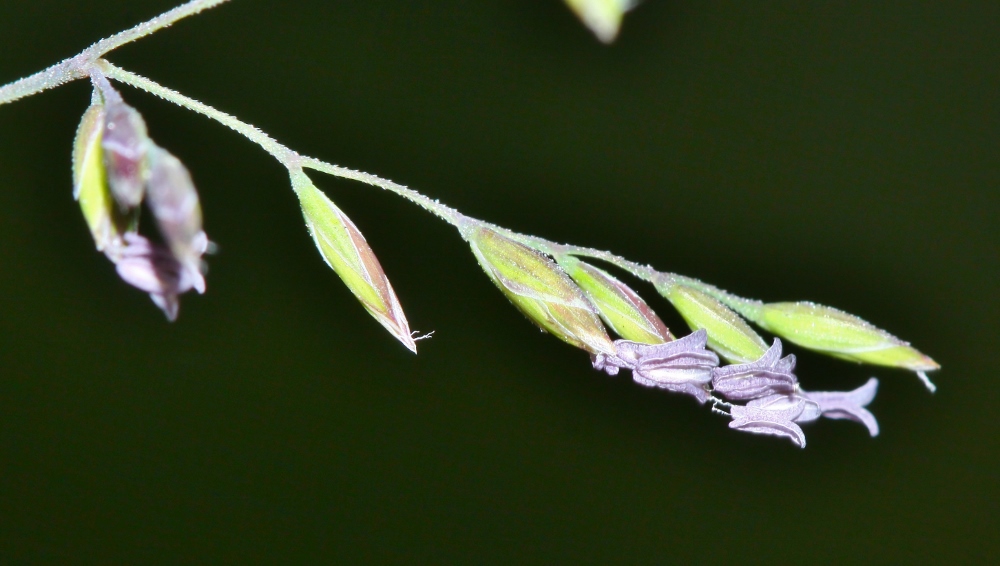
(117, 168)
(774, 400)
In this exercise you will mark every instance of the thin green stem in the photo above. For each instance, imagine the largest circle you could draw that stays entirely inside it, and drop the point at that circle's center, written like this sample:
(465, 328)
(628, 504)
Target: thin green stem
(283, 154)
(58, 74)
(76, 67)
(286, 156)
(165, 19)
(446, 213)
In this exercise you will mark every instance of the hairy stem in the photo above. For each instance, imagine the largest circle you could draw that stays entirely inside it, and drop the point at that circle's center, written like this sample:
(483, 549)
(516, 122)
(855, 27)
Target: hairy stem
(444, 212)
(165, 19)
(76, 67)
(283, 154)
(286, 156)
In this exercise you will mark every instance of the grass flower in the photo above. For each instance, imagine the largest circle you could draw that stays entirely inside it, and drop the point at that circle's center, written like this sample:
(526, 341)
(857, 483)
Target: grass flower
(126, 148)
(345, 250)
(602, 17)
(540, 289)
(621, 308)
(105, 219)
(115, 168)
(173, 200)
(842, 335)
(728, 334)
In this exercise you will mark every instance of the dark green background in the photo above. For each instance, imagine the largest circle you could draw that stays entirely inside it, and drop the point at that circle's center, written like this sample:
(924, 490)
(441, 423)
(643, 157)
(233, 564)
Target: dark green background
(840, 152)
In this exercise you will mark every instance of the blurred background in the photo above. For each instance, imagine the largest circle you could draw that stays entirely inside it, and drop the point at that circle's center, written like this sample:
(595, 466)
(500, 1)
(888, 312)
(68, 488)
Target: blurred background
(844, 154)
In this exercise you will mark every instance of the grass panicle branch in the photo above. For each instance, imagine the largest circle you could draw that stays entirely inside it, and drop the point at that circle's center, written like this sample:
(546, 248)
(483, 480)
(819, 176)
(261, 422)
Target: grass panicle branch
(118, 168)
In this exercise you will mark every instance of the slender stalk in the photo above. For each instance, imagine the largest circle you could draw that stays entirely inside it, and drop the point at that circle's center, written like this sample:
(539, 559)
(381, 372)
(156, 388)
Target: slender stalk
(103, 86)
(286, 156)
(165, 19)
(444, 212)
(58, 74)
(283, 154)
(75, 67)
